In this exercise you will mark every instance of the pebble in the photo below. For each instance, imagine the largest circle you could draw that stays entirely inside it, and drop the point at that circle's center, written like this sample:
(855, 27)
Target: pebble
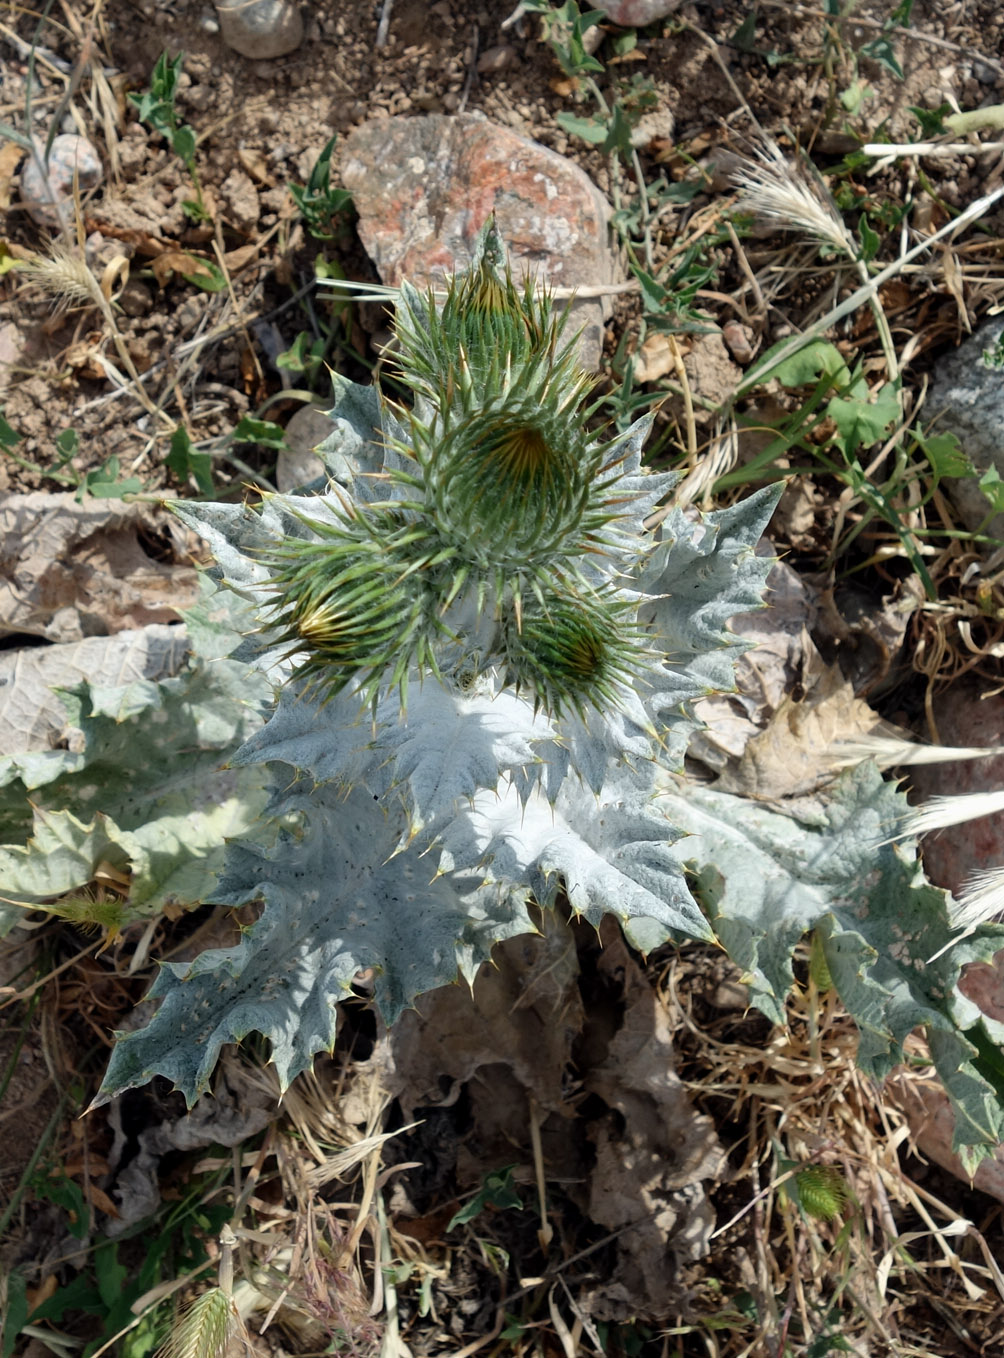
(297, 464)
(423, 188)
(240, 199)
(495, 59)
(261, 29)
(638, 13)
(72, 158)
(136, 299)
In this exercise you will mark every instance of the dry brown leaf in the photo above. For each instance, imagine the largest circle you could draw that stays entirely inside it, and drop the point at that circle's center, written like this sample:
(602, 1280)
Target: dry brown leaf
(114, 275)
(634, 1154)
(74, 571)
(11, 156)
(84, 358)
(789, 758)
(255, 164)
(235, 260)
(172, 262)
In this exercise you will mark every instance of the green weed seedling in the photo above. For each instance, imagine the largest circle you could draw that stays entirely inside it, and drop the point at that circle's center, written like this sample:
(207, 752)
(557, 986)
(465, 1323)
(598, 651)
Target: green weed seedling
(497, 1191)
(845, 429)
(323, 207)
(102, 483)
(156, 109)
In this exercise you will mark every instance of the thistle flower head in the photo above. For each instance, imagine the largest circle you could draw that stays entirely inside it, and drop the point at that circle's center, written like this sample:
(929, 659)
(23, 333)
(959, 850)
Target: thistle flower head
(574, 651)
(487, 337)
(498, 538)
(510, 483)
(353, 604)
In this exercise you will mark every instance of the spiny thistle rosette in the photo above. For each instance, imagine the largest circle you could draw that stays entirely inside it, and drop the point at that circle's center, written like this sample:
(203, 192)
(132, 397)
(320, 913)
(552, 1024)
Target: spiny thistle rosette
(483, 663)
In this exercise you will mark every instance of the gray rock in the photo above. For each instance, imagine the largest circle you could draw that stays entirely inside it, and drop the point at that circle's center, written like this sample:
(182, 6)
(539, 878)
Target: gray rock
(967, 397)
(47, 186)
(261, 29)
(638, 13)
(297, 464)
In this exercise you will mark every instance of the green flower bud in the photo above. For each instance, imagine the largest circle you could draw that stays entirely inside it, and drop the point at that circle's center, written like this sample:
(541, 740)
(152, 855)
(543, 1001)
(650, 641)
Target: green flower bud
(510, 485)
(574, 651)
(354, 603)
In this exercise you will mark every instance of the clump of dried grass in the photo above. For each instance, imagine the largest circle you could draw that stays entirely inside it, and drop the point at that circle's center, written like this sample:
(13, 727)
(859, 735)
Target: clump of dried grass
(893, 1255)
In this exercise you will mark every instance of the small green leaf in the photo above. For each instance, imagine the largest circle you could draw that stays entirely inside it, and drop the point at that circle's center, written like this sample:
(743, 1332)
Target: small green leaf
(251, 430)
(496, 1191)
(881, 50)
(103, 483)
(15, 1314)
(930, 119)
(992, 486)
(870, 240)
(864, 421)
(183, 143)
(9, 438)
(816, 360)
(944, 455)
(589, 129)
(743, 39)
(68, 445)
(304, 355)
(185, 461)
(207, 276)
(110, 1272)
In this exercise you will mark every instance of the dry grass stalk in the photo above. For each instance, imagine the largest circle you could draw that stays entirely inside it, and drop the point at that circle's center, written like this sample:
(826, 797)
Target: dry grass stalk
(798, 1099)
(67, 277)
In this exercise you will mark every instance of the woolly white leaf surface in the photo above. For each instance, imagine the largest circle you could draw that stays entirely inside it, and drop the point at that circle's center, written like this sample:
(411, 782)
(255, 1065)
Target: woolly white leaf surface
(336, 901)
(611, 852)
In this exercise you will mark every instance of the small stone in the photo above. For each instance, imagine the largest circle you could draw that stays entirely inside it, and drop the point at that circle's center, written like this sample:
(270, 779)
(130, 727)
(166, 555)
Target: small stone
(47, 193)
(297, 464)
(261, 29)
(495, 59)
(136, 299)
(638, 13)
(240, 201)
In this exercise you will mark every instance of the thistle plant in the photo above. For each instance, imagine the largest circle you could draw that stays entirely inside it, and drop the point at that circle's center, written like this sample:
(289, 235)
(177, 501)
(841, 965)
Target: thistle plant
(484, 644)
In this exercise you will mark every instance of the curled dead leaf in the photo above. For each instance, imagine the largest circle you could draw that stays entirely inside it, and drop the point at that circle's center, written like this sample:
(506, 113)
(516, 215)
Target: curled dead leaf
(255, 164)
(85, 358)
(114, 276)
(238, 259)
(181, 262)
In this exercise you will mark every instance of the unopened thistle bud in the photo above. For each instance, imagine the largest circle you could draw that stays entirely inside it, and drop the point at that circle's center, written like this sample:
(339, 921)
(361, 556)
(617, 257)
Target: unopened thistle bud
(353, 605)
(511, 484)
(574, 652)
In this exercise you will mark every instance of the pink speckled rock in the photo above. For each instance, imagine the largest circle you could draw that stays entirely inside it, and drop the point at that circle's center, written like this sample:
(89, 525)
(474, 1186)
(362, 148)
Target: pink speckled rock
(424, 187)
(47, 192)
(950, 855)
(638, 13)
(932, 1126)
(964, 718)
